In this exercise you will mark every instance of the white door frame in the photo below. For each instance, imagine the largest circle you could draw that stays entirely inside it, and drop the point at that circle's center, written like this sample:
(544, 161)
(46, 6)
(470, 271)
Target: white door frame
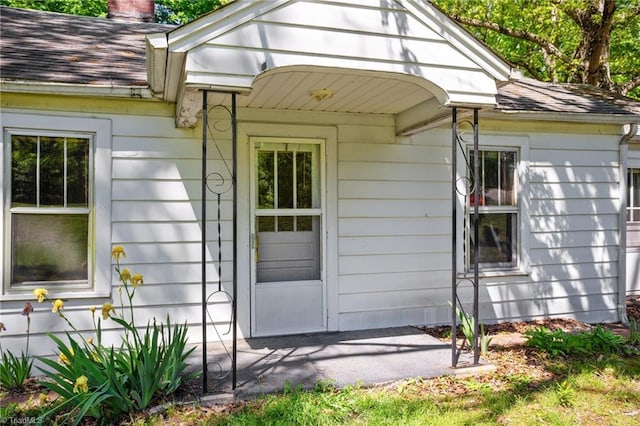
(246, 130)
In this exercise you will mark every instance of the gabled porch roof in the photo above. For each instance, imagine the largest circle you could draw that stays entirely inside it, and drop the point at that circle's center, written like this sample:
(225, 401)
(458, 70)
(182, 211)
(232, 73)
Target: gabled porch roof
(390, 57)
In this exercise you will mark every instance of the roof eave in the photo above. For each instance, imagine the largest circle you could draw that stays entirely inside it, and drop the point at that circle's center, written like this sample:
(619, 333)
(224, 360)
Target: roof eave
(68, 89)
(573, 117)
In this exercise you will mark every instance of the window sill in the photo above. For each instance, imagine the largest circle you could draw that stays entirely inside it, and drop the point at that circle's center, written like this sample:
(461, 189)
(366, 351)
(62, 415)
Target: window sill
(27, 295)
(496, 273)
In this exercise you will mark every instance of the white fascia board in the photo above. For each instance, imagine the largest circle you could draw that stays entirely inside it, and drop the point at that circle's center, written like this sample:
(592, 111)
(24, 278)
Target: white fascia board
(460, 39)
(139, 92)
(156, 51)
(571, 117)
(218, 22)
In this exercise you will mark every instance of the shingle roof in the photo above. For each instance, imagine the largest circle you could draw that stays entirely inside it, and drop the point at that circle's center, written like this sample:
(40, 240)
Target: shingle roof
(53, 47)
(529, 95)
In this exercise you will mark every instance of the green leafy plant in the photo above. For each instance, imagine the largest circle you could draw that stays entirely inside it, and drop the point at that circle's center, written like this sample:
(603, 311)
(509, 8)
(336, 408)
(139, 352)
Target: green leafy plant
(104, 382)
(467, 325)
(15, 370)
(560, 343)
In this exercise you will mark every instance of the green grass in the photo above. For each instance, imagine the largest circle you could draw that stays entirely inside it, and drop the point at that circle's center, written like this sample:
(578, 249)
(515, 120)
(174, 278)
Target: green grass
(601, 391)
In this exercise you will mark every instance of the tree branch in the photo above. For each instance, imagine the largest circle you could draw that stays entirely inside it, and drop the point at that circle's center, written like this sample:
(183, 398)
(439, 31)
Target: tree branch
(545, 45)
(625, 88)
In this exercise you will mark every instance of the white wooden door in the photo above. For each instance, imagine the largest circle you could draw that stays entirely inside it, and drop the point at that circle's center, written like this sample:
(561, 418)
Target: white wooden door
(288, 288)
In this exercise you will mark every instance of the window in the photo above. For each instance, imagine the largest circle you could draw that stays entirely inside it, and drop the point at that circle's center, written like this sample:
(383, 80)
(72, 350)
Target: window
(633, 196)
(56, 218)
(49, 208)
(498, 210)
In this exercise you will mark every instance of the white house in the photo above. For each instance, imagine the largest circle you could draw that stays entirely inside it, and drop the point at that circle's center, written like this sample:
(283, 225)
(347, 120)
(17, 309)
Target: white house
(343, 216)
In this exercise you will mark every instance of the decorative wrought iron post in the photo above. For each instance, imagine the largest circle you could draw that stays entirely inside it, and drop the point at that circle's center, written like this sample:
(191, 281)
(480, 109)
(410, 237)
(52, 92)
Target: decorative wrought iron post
(216, 183)
(471, 193)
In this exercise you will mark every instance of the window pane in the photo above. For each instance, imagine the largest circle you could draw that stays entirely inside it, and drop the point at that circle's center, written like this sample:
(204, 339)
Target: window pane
(635, 179)
(304, 180)
(285, 223)
(497, 239)
(51, 171)
(266, 224)
(304, 223)
(49, 247)
(285, 180)
(77, 172)
(266, 185)
(23, 170)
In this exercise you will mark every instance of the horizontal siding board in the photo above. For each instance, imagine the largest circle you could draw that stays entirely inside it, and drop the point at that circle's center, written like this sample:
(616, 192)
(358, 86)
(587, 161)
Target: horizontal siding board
(574, 223)
(559, 191)
(166, 211)
(149, 232)
(596, 158)
(349, 246)
(573, 239)
(361, 19)
(395, 281)
(393, 171)
(393, 208)
(367, 152)
(391, 190)
(391, 263)
(570, 207)
(574, 271)
(353, 227)
(541, 257)
(369, 134)
(573, 174)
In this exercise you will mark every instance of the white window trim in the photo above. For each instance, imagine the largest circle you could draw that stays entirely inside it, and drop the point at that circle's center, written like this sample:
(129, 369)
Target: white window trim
(100, 252)
(629, 208)
(498, 142)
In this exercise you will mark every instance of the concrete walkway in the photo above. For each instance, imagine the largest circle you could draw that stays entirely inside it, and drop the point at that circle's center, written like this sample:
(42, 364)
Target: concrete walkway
(369, 357)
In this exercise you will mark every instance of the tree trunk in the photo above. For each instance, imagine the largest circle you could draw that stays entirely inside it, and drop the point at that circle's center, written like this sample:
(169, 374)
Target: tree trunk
(592, 54)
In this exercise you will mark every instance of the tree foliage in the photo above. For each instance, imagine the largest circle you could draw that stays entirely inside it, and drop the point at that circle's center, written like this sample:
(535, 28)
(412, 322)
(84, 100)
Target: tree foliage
(183, 11)
(574, 41)
(72, 7)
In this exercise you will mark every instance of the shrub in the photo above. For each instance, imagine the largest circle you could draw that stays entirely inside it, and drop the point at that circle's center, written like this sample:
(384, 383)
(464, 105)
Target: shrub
(105, 382)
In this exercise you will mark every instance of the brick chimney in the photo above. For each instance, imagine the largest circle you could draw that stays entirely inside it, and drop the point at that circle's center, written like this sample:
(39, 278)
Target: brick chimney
(131, 10)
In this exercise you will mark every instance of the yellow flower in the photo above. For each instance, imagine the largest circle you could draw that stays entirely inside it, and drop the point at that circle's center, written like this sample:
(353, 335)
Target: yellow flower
(125, 275)
(92, 309)
(42, 398)
(81, 385)
(117, 251)
(90, 340)
(41, 294)
(106, 308)
(2, 327)
(136, 279)
(62, 358)
(57, 305)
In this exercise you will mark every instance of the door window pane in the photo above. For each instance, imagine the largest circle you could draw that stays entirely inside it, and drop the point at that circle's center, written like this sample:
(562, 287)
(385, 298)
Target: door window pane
(285, 223)
(266, 182)
(49, 247)
(285, 180)
(304, 180)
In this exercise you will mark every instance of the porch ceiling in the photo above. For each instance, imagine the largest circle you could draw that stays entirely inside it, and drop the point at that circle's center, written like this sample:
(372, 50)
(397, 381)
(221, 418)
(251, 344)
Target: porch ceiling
(345, 90)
